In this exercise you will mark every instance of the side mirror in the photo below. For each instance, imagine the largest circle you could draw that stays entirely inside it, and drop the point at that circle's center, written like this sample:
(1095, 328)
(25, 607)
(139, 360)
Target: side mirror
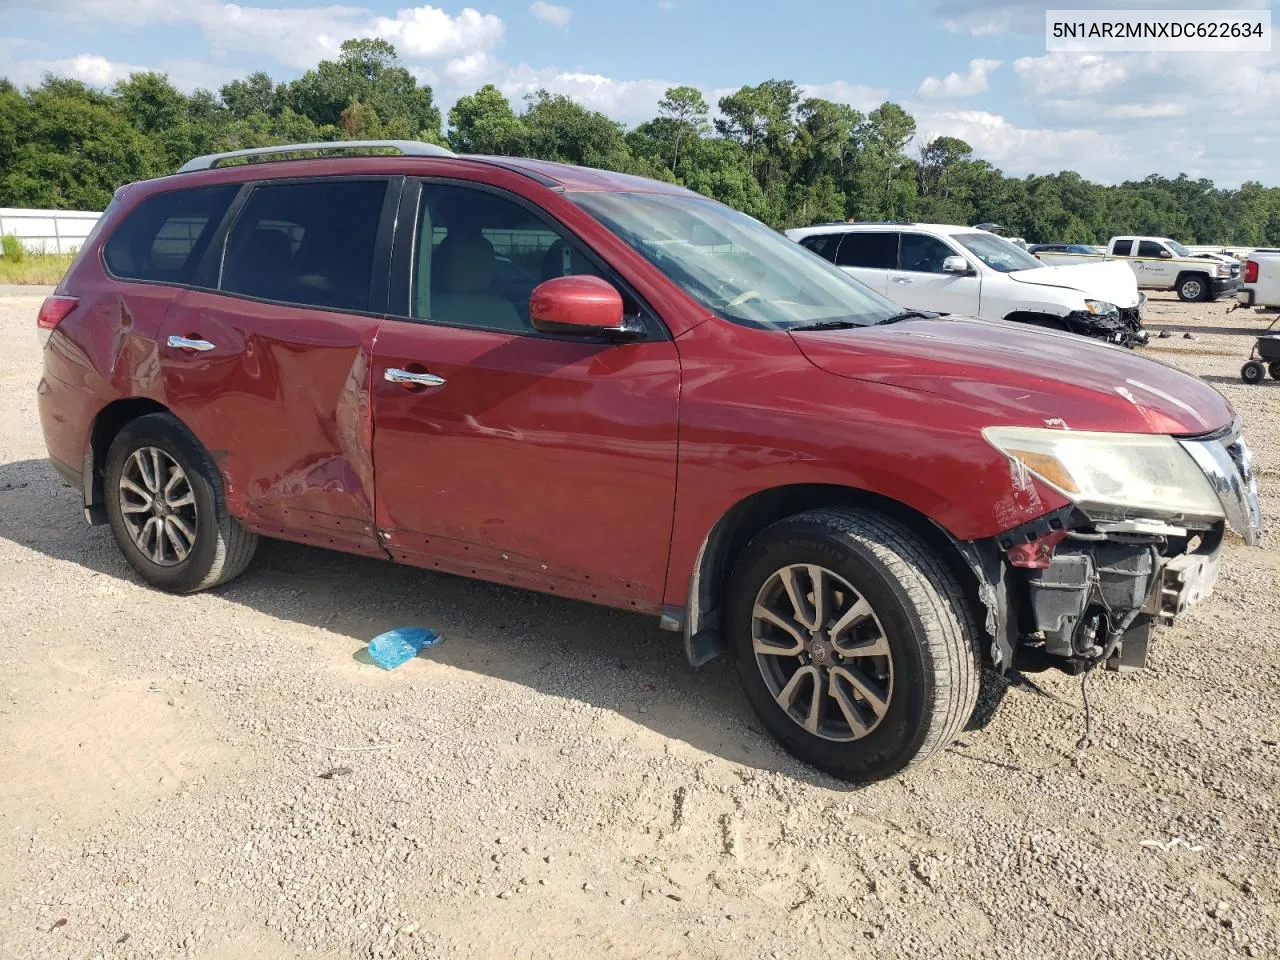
(955, 265)
(581, 306)
(1165, 254)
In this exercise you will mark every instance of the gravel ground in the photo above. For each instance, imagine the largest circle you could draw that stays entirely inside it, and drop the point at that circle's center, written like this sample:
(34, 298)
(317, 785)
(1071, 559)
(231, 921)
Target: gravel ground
(226, 776)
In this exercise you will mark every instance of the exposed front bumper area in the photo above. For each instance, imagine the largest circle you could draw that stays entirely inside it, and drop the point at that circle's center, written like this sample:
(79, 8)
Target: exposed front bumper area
(1076, 593)
(1123, 328)
(1223, 286)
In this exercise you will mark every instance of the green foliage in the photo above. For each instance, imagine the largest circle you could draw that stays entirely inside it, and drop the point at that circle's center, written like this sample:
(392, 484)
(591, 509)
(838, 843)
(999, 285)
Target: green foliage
(772, 153)
(11, 249)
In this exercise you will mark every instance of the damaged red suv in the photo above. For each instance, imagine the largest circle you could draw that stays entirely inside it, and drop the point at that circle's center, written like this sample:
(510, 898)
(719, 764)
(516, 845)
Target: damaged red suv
(614, 389)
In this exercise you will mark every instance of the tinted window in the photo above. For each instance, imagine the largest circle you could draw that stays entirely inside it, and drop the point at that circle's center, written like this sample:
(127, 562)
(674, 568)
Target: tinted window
(923, 254)
(164, 238)
(874, 250)
(1149, 248)
(306, 243)
(823, 244)
(480, 255)
(1123, 248)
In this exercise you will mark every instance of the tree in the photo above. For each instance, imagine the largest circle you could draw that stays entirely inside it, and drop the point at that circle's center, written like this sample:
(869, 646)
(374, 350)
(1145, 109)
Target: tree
(685, 111)
(562, 129)
(485, 123)
(254, 94)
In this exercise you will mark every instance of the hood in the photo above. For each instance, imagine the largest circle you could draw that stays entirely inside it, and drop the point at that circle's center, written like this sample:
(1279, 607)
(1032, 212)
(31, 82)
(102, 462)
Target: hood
(1111, 280)
(1023, 376)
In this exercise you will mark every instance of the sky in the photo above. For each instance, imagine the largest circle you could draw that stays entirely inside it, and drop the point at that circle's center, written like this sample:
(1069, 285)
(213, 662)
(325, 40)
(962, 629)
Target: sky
(976, 69)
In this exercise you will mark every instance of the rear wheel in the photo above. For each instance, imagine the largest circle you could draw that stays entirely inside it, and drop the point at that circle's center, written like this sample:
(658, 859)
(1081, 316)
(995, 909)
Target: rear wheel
(854, 642)
(165, 506)
(1253, 372)
(1194, 287)
(1274, 369)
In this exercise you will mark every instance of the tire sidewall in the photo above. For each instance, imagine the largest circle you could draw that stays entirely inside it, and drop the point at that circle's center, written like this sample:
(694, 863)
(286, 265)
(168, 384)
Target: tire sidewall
(162, 431)
(1252, 373)
(1200, 289)
(898, 737)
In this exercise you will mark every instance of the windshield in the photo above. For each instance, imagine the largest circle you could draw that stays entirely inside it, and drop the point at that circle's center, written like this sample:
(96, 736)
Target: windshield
(1178, 248)
(997, 252)
(733, 265)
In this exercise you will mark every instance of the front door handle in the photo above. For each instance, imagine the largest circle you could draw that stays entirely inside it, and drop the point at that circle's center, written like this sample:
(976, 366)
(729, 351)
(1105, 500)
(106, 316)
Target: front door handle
(902, 280)
(409, 377)
(186, 343)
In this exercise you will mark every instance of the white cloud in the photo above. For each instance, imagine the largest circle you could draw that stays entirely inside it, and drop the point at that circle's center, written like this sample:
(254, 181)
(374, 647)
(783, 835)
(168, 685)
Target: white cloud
(955, 85)
(841, 91)
(300, 36)
(551, 13)
(1072, 73)
(630, 101)
(98, 71)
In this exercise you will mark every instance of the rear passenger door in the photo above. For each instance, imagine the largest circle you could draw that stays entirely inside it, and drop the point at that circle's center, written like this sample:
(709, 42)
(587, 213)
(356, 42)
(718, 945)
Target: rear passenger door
(868, 256)
(920, 283)
(268, 362)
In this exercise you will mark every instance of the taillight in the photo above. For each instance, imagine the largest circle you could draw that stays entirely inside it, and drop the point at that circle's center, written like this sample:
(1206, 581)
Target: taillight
(52, 312)
(1251, 271)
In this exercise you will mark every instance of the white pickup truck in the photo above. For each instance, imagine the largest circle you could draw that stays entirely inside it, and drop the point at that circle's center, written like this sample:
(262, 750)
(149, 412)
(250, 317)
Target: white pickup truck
(1261, 284)
(1160, 264)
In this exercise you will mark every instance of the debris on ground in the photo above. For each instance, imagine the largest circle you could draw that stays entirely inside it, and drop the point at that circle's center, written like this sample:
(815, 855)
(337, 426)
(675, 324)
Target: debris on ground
(389, 650)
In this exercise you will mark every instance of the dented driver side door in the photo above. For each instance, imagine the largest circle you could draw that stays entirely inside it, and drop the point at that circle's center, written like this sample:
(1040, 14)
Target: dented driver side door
(269, 363)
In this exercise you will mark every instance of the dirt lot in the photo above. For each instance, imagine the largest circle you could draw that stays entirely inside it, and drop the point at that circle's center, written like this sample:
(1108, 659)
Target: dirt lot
(224, 776)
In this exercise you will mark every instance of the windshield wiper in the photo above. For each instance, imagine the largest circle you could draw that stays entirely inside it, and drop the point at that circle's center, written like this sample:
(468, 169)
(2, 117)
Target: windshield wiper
(828, 325)
(907, 315)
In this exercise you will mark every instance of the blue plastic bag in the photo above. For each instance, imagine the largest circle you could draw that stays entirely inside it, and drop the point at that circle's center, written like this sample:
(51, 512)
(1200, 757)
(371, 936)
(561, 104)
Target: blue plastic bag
(389, 650)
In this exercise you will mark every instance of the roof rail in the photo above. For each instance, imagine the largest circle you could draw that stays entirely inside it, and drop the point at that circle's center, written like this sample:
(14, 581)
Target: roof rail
(408, 148)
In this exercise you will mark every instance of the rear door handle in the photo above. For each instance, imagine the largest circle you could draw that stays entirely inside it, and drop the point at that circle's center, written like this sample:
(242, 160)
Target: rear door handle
(902, 280)
(396, 375)
(185, 343)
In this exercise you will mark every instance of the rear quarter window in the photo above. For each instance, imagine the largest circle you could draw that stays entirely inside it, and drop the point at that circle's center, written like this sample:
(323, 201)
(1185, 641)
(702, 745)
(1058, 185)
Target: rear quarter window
(165, 236)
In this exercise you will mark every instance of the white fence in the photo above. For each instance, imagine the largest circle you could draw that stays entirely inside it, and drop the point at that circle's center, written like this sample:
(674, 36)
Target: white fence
(48, 231)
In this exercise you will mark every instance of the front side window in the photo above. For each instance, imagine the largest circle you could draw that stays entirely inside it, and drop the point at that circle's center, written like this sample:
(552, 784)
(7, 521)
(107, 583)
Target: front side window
(997, 252)
(1149, 248)
(924, 254)
(733, 265)
(163, 239)
(307, 243)
(875, 251)
(479, 256)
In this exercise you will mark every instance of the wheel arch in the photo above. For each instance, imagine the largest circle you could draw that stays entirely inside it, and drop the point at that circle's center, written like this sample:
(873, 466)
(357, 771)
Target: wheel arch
(702, 619)
(1183, 275)
(1039, 318)
(110, 420)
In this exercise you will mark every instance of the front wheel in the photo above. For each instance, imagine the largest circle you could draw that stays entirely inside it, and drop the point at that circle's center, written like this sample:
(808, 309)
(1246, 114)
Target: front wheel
(164, 503)
(854, 642)
(1192, 288)
(1253, 372)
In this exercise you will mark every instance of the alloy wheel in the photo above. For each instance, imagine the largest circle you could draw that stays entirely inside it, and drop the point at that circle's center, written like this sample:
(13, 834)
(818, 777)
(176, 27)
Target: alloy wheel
(822, 652)
(158, 506)
(1192, 290)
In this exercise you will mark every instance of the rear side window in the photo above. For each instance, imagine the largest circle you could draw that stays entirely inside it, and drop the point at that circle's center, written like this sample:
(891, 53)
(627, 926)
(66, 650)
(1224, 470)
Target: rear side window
(306, 243)
(878, 251)
(1123, 248)
(823, 244)
(1149, 248)
(163, 239)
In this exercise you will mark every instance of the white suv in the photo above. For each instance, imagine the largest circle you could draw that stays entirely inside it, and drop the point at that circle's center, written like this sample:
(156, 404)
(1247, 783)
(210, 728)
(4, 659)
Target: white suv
(967, 271)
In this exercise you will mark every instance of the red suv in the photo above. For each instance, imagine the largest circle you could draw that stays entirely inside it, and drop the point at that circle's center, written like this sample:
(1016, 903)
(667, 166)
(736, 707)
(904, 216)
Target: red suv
(614, 389)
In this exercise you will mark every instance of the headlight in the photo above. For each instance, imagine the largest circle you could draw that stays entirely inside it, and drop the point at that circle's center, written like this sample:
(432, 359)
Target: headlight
(1112, 475)
(1224, 270)
(1100, 308)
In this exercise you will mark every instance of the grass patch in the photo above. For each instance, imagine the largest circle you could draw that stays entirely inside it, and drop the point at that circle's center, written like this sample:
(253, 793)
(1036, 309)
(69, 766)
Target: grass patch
(36, 268)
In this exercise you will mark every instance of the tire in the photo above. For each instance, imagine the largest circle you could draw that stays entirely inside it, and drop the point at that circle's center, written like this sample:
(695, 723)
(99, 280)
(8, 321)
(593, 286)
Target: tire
(144, 453)
(927, 685)
(1253, 372)
(1194, 287)
(1274, 369)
